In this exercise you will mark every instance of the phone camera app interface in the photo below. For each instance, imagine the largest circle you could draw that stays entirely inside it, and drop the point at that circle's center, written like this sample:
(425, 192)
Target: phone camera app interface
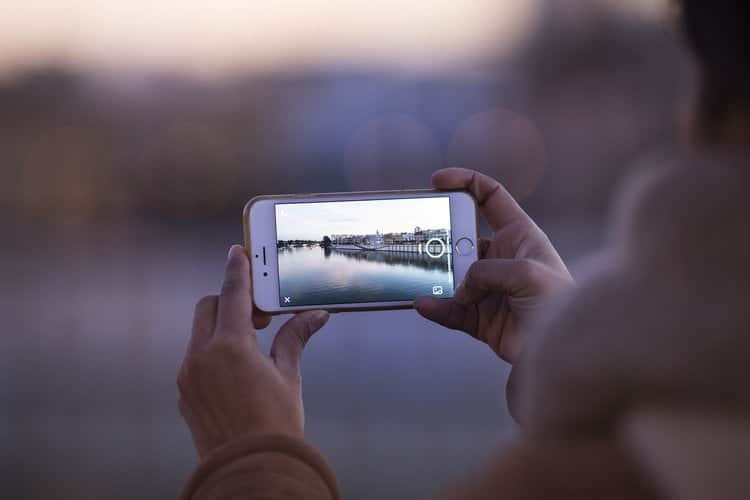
(348, 252)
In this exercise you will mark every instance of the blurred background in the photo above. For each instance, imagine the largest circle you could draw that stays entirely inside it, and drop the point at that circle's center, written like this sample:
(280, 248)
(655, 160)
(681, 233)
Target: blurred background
(132, 133)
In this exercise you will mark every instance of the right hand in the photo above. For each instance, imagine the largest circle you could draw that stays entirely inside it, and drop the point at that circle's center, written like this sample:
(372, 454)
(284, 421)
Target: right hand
(518, 269)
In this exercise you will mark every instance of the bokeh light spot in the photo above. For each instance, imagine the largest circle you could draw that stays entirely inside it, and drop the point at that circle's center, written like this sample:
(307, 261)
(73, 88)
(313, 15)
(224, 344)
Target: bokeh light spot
(503, 144)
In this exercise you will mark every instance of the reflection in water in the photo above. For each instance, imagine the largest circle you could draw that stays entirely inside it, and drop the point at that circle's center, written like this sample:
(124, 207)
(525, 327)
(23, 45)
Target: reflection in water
(315, 275)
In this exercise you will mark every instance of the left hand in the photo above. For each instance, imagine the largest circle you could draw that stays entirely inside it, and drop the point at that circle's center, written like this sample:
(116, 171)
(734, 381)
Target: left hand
(228, 388)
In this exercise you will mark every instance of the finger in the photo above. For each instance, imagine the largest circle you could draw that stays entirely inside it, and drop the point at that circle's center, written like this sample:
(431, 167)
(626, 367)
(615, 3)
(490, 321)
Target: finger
(515, 277)
(448, 313)
(235, 310)
(261, 319)
(512, 396)
(286, 350)
(483, 248)
(204, 321)
(495, 202)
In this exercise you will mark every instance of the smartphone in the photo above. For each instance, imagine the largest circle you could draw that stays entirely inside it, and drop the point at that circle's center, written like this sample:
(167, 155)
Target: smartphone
(358, 251)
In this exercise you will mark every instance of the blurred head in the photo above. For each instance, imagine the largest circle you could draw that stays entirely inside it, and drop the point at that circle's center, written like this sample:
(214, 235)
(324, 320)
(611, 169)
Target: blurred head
(717, 33)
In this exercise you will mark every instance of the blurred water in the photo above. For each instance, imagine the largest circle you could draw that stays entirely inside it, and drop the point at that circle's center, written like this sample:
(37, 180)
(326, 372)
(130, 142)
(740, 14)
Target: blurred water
(315, 275)
(96, 325)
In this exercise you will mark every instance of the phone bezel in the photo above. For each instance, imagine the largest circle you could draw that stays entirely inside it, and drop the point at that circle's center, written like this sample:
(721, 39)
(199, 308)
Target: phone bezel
(259, 222)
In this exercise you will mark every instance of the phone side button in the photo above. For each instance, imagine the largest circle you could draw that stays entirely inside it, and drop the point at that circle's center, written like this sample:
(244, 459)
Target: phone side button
(464, 246)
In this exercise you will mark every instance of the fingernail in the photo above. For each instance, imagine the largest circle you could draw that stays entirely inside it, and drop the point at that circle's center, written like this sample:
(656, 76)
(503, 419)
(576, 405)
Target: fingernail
(232, 251)
(319, 317)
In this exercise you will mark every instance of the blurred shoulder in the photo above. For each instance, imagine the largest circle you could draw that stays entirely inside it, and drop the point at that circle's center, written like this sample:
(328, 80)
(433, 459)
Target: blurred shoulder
(667, 294)
(685, 208)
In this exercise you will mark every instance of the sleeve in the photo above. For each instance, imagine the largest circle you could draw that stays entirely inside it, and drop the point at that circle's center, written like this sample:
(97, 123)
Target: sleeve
(586, 468)
(692, 454)
(268, 467)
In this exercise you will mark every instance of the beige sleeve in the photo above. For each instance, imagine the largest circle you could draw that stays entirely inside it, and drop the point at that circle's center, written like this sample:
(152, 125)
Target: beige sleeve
(692, 454)
(268, 467)
(595, 468)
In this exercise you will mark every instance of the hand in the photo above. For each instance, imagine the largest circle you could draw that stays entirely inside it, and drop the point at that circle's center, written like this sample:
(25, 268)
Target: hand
(228, 388)
(517, 270)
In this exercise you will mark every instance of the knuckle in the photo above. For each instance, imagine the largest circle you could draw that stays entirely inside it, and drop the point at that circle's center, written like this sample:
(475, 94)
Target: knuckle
(528, 269)
(230, 285)
(194, 364)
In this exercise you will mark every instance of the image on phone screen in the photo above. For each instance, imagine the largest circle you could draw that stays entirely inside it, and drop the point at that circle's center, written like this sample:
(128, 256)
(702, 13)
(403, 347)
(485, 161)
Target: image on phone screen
(347, 252)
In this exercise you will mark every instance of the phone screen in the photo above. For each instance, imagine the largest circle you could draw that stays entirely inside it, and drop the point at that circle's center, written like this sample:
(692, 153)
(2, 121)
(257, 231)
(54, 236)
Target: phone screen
(350, 252)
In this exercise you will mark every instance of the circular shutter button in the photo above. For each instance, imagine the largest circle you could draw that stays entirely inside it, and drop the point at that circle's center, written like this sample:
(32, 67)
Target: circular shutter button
(464, 246)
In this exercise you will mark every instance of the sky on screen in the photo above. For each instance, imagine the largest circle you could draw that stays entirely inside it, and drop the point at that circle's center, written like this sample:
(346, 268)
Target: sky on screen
(312, 221)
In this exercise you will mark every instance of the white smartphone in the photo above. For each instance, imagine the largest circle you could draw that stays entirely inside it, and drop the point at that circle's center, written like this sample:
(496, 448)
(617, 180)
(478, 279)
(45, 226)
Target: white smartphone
(358, 251)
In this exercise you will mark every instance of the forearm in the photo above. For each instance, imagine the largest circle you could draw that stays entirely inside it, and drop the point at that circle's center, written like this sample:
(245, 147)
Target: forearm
(268, 467)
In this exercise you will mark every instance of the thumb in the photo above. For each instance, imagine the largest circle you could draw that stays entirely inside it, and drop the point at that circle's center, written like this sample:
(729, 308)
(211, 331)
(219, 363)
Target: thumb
(515, 277)
(286, 350)
(448, 313)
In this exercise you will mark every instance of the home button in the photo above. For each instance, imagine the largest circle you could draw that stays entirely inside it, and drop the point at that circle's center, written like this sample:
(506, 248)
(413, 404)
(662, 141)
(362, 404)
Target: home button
(464, 246)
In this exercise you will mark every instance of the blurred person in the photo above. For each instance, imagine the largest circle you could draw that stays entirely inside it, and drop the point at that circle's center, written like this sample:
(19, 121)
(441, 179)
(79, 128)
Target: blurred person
(629, 384)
